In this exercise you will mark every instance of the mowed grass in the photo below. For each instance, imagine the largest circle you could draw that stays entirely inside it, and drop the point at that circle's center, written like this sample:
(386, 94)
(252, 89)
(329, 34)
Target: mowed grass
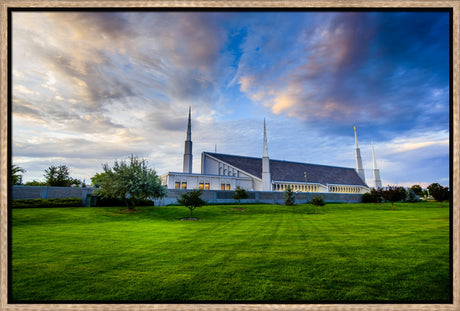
(267, 253)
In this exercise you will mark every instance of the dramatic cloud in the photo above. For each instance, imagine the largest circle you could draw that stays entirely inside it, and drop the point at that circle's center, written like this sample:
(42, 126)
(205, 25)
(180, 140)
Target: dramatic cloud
(92, 87)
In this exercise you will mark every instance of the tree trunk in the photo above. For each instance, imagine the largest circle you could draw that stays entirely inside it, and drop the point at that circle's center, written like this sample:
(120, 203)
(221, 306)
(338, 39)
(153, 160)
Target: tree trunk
(130, 204)
(392, 206)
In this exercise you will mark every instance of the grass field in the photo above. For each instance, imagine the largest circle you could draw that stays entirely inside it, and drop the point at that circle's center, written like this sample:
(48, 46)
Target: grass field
(267, 253)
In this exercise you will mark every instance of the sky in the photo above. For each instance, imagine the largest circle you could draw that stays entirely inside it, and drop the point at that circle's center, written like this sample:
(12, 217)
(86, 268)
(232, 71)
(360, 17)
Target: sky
(90, 88)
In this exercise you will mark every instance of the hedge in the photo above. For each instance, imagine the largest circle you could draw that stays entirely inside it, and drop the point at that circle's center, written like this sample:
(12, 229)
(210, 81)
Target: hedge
(28, 203)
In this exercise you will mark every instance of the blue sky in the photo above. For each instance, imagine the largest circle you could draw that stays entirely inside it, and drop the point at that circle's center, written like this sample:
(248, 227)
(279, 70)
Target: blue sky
(94, 87)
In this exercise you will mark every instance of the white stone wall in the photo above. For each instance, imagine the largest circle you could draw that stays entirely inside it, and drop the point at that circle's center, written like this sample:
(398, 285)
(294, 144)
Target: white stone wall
(215, 182)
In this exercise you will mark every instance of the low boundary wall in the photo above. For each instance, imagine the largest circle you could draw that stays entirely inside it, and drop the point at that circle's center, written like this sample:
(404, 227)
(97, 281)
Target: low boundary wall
(210, 196)
(42, 192)
(220, 196)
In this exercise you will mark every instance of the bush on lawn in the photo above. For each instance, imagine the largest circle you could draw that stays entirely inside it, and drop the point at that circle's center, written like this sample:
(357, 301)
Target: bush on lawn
(30, 203)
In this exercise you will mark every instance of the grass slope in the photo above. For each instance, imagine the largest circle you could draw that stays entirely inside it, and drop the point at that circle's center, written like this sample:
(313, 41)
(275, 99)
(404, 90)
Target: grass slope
(350, 252)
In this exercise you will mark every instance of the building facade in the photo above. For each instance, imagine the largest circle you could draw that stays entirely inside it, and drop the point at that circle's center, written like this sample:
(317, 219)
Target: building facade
(226, 172)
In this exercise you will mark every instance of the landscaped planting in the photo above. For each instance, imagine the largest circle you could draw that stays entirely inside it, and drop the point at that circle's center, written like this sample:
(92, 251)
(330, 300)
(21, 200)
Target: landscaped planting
(264, 253)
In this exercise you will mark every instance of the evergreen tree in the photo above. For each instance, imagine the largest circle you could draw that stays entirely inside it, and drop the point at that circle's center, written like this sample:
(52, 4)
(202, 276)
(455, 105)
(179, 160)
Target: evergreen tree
(289, 198)
(411, 196)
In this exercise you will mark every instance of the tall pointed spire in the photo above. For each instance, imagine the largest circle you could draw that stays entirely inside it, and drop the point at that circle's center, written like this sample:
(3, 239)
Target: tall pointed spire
(359, 161)
(266, 177)
(377, 181)
(188, 158)
(265, 141)
(189, 125)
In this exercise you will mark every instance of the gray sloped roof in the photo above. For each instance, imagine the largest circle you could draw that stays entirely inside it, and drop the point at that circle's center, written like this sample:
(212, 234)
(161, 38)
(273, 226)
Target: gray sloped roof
(294, 171)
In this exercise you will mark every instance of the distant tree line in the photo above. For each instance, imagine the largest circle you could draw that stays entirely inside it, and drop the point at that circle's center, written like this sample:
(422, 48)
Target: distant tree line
(413, 194)
(55, 176)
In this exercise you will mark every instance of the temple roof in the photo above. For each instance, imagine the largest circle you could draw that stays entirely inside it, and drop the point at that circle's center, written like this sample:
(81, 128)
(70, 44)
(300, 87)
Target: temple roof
(286, 171)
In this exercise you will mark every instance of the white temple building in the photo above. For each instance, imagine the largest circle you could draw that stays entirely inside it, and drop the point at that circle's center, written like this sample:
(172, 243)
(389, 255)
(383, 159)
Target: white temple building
(226, 172)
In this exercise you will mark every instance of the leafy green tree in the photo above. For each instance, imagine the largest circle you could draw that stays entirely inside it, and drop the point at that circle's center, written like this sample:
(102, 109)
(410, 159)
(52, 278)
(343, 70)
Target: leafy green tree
(417, 189)
(191, 200)
(289, 198)
(374, 196)
(317, 201)
(15, 174)
(393, 194)
(59, 176)
(240, 194)
(129, 181)
(97, 179)
(438, 192)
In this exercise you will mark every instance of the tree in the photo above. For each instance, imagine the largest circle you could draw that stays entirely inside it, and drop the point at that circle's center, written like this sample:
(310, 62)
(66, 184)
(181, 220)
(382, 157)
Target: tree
(393, 194)
(130, 181)
(35, 183)
(15, 176)
(97, 179)
(417, 189)
(289, 198)
(240, 194)
(438, 192)
(191, 200)
(59, 176)
(374, 196)
(317, 201)
(411, 196)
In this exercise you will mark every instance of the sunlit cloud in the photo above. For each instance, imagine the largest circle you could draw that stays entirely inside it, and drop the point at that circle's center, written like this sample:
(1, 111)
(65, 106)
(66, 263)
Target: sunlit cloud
(92, 87)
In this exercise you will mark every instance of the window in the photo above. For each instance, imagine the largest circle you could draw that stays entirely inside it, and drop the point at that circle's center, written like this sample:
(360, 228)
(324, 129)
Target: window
(177, 185)
(227, 187)
(222, 186)
(184, 185)
(201, 186)
(206, 186)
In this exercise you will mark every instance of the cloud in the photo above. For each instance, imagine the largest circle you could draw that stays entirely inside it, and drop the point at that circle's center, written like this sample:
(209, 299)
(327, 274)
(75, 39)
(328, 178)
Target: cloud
(351, 69)
(113, 83)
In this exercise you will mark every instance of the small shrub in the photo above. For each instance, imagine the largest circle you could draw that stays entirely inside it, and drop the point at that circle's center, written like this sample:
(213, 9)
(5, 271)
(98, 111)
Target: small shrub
(317, 201)
(240, 194)
(39, 203)
(289, 198)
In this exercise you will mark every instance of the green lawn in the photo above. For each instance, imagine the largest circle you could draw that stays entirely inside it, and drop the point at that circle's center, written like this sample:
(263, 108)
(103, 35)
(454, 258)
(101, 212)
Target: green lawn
(349, 252)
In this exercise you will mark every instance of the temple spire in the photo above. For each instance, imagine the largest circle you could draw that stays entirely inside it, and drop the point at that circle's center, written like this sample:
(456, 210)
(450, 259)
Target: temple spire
(189, 125)
(188, 158)
(359, 161)
(265, 141)
(266, 176)
(377, 181)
